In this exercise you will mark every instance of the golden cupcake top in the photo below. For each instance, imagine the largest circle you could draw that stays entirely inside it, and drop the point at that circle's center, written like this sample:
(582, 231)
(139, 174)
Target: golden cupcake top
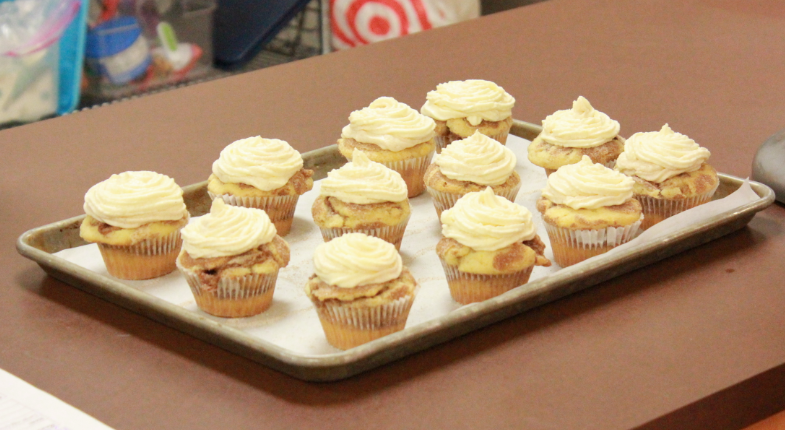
(588, 185)
(487, 222)
(659, 155)
(478, 159)
(389, 124)
(683, 186)
(356, 259)
(363, 181)
(473, 99)
(579, 127)
(132, 199)
(227, 230)
(266, 164)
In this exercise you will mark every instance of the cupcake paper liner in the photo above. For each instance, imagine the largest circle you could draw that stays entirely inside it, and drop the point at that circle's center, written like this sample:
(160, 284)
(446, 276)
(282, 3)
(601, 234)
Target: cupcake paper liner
(441, 142)
(392, 234)
(234, 297)
(656, 210)
(412, 171)
(443, 200)
(148, 259)
(468, 288)
(346, 327)
(280, 209)
(573, 246)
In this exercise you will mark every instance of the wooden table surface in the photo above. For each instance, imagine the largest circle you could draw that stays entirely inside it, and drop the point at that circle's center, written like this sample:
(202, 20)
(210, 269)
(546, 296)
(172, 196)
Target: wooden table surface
(695, 341)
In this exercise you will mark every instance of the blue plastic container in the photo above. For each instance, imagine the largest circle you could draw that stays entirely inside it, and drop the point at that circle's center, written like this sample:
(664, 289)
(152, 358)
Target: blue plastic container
(117, 50)
(72, 45)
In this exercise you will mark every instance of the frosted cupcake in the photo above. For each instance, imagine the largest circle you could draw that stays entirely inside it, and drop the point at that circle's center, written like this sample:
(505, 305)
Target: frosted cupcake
(393, 134)
(365, 197)
(135, 218)
(264, 174)
(670, 172)
(568, 135)
(588, 209)
(361, 289)
(489, 246)
(462, 107)
(468, 165)
(231, 259)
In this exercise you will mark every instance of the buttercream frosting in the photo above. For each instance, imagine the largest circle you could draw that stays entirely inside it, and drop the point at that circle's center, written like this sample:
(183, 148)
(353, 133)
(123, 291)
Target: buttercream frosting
(131, 199)
(579, 127)
(227, 230)
(363, 181)
(659, 155)
(356, 259)
(486, 222)
(588, 185)
(266, 164)
(478, 159)
(473, 99)
(389, 124)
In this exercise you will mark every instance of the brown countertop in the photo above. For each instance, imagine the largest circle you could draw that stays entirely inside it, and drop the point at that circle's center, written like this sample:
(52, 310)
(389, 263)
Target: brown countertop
(695, 341)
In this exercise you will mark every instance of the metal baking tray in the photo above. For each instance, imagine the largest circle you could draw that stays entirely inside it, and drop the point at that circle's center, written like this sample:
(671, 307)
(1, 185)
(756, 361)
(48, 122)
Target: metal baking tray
(40, 243)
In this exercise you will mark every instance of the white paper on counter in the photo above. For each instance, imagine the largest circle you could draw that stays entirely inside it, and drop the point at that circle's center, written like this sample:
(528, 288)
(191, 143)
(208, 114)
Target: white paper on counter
(292, 323)
(24, 407)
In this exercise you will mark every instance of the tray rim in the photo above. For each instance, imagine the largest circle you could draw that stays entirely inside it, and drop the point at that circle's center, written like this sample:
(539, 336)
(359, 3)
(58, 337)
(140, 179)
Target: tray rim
(413, 339)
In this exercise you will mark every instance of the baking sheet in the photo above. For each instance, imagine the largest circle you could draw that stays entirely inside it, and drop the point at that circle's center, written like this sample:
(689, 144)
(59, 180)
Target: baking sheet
(718, 219)
(291, 322)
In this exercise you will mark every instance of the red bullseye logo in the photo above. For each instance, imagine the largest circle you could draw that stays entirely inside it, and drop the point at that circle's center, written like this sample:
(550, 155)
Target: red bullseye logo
(359, 22)
(379, 26)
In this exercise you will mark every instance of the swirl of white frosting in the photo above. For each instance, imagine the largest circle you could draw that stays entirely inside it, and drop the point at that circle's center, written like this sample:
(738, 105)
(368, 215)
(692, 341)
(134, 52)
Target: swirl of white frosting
(659, 155)
(131, 199)
(389, 124)
(227, 230)
(586, 185)
(579, 127)
(363, 181)
(473, 99)
(266, 164)
(478, 159)
(356, 259)
(486, 222)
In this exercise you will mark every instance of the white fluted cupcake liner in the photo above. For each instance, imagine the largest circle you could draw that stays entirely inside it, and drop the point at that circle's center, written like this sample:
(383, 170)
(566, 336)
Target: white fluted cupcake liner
(611, 164)
(234, 297)
(656, 210)
(346, 326)
(500, 137)
(147, 259)
(412, 171)
(441, 142)
(468, 288)
(280, 209)
(443, 200)
(573, 246)
(392, 234)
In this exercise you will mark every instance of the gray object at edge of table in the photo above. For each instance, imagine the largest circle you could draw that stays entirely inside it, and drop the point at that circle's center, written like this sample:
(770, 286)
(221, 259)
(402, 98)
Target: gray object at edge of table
(768, 166)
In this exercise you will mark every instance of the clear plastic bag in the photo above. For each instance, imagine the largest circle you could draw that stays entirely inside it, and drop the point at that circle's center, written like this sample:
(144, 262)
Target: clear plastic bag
(32, 66)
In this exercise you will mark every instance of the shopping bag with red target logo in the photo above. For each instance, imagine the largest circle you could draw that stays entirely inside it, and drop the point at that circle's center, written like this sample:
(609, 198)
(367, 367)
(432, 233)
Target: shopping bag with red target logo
(359, 22)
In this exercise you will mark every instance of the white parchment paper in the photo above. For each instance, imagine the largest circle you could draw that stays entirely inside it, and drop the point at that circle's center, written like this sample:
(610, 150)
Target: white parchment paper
(291, 321)
(25, 407)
